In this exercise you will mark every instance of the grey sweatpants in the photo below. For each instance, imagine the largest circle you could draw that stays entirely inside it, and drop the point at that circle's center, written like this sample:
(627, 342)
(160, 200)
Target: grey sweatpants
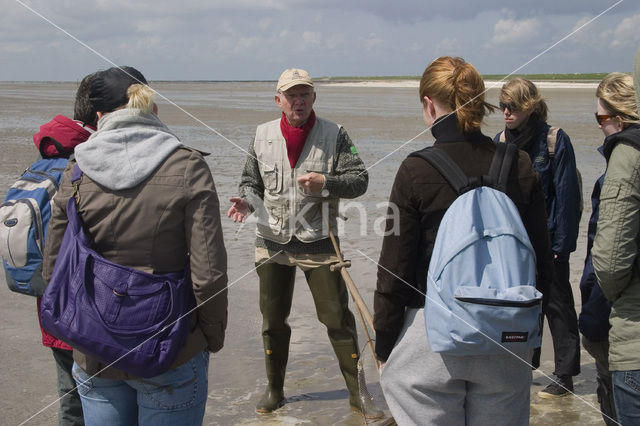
(422, 387)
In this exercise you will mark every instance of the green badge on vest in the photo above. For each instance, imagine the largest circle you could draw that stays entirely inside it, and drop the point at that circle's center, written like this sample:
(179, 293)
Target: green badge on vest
(354, 151)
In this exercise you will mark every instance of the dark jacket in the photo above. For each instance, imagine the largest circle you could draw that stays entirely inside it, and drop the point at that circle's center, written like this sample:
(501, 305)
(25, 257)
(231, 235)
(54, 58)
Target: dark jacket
(168, 220)
(560, 185)
(422, 197)
(594, 316)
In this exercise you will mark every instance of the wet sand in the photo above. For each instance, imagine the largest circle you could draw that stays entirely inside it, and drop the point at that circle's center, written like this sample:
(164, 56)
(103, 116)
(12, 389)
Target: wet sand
(380, 120)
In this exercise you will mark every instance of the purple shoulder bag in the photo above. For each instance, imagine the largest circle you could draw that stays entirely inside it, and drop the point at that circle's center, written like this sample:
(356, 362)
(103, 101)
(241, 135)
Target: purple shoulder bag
(131, 320)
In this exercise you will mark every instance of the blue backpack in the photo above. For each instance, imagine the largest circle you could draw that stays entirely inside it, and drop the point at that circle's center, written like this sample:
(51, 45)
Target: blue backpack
(24, 217)
(481, 294)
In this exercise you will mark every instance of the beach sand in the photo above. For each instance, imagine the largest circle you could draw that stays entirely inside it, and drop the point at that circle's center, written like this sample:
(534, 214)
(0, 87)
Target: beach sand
(381, 121)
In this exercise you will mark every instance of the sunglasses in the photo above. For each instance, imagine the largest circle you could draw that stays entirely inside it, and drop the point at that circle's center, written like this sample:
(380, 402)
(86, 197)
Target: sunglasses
(601, 118)
(511, 106)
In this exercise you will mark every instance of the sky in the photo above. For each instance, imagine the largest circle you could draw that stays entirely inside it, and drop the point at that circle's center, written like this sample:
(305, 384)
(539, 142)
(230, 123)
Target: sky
(63, 40)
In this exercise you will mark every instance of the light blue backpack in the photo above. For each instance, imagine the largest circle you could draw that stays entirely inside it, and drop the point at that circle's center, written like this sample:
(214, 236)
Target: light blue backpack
(481, 295)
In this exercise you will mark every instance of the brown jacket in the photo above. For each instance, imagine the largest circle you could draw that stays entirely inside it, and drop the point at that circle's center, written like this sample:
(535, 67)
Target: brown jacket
(169, 219)
(422, 196)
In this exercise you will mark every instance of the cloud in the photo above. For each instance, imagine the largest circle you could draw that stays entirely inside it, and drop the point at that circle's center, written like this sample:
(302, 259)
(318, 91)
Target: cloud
(414, 11)
(311, 38)
(512, 31)
(449, 44)
(626, 32)
(371, 41)
(254, 39)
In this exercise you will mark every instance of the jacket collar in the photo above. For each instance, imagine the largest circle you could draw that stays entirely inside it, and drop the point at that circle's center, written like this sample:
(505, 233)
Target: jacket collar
(630, 135)
(446, 129)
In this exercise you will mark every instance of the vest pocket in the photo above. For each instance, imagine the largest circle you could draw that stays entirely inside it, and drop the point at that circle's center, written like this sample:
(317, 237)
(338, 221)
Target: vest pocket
(272, 178)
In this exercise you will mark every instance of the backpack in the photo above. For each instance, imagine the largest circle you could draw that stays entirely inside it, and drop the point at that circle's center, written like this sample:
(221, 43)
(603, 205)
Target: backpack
(24, 217)
(552, 138)
(481, 294)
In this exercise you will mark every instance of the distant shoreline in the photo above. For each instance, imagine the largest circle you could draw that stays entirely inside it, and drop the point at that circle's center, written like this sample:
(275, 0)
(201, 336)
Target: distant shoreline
(489, 84)
(543, 81)
(372, 82)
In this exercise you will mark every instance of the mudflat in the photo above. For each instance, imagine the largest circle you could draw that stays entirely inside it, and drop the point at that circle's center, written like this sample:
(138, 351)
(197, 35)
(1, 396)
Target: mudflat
(386, 124)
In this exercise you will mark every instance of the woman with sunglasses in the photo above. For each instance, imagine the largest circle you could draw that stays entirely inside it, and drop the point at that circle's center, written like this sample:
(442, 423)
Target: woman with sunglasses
(615, 256)
(551, 153)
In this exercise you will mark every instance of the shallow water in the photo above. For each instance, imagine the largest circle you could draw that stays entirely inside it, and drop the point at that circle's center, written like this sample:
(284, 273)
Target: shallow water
(380, 121)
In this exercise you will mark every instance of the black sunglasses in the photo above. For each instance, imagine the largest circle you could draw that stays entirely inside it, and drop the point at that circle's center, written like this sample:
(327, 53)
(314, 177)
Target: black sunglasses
(511, 106)
(601, 118)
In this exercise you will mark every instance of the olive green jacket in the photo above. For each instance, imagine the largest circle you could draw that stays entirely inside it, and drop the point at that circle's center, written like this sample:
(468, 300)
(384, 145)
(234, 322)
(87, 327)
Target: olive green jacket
(615, 250)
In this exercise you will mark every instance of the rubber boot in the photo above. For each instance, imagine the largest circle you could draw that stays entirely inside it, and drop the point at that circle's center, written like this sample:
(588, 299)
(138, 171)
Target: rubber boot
(276, 291)
(273, 397)
(332, 306)
(360, 399)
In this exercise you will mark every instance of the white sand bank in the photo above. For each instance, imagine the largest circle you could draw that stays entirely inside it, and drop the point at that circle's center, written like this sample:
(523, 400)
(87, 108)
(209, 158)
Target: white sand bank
(489, 84)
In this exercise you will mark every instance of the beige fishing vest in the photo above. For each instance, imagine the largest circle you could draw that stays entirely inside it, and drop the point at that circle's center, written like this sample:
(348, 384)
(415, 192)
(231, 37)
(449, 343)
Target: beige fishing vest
(288, 210)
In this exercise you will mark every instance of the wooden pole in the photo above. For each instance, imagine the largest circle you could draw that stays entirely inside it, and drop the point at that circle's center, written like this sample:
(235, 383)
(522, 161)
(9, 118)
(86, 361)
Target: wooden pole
(361, 307)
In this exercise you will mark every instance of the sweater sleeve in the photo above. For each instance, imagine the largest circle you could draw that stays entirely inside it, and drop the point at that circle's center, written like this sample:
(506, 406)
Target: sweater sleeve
(350, 178)
(251, 186)
(615, 248)
(566, 207)
(396, 284)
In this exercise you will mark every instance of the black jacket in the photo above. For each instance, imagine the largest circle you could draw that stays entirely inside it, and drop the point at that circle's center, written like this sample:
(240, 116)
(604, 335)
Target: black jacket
(422, 197)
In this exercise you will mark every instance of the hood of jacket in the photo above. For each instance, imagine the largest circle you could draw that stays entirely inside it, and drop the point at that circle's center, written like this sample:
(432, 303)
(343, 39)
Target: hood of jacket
(59, 137)
(127, 148)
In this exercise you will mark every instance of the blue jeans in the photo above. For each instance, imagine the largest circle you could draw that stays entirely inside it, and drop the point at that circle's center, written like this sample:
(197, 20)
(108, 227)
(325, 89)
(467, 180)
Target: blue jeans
(175, 397)
(626, 393)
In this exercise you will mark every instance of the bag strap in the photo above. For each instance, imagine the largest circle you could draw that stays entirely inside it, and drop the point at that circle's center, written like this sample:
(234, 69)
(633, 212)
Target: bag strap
(449, 170)
(497, 177)
(62, 151)
(501, 165)
(552, 137)
(75, 181)
(77, 174)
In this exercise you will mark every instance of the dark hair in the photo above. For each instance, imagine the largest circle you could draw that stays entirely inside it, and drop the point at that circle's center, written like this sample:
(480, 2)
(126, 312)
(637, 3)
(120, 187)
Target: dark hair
(109, 87)
(83, 110)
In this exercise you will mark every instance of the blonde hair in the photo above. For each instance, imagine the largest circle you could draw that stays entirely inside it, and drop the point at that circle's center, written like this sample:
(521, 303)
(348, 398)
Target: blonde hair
(458, 85)
(525, 96)
(617, 93)
(140, 97)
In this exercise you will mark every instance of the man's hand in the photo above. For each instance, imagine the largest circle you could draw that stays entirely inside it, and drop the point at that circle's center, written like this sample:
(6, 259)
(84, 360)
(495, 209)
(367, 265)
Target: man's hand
(312, 182)
(239, 210)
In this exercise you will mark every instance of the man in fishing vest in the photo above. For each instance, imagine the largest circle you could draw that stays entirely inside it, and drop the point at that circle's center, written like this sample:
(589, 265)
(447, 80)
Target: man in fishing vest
(298, 168)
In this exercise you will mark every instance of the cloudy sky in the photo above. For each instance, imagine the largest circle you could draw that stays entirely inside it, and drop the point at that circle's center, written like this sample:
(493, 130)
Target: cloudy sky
(256, 39)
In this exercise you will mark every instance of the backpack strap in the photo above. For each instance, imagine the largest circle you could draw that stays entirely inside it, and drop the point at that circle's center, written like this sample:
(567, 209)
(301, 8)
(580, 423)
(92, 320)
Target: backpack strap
(441, 161)
(552, 137)
(75, 181)
(501, 165)
(77, 174)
